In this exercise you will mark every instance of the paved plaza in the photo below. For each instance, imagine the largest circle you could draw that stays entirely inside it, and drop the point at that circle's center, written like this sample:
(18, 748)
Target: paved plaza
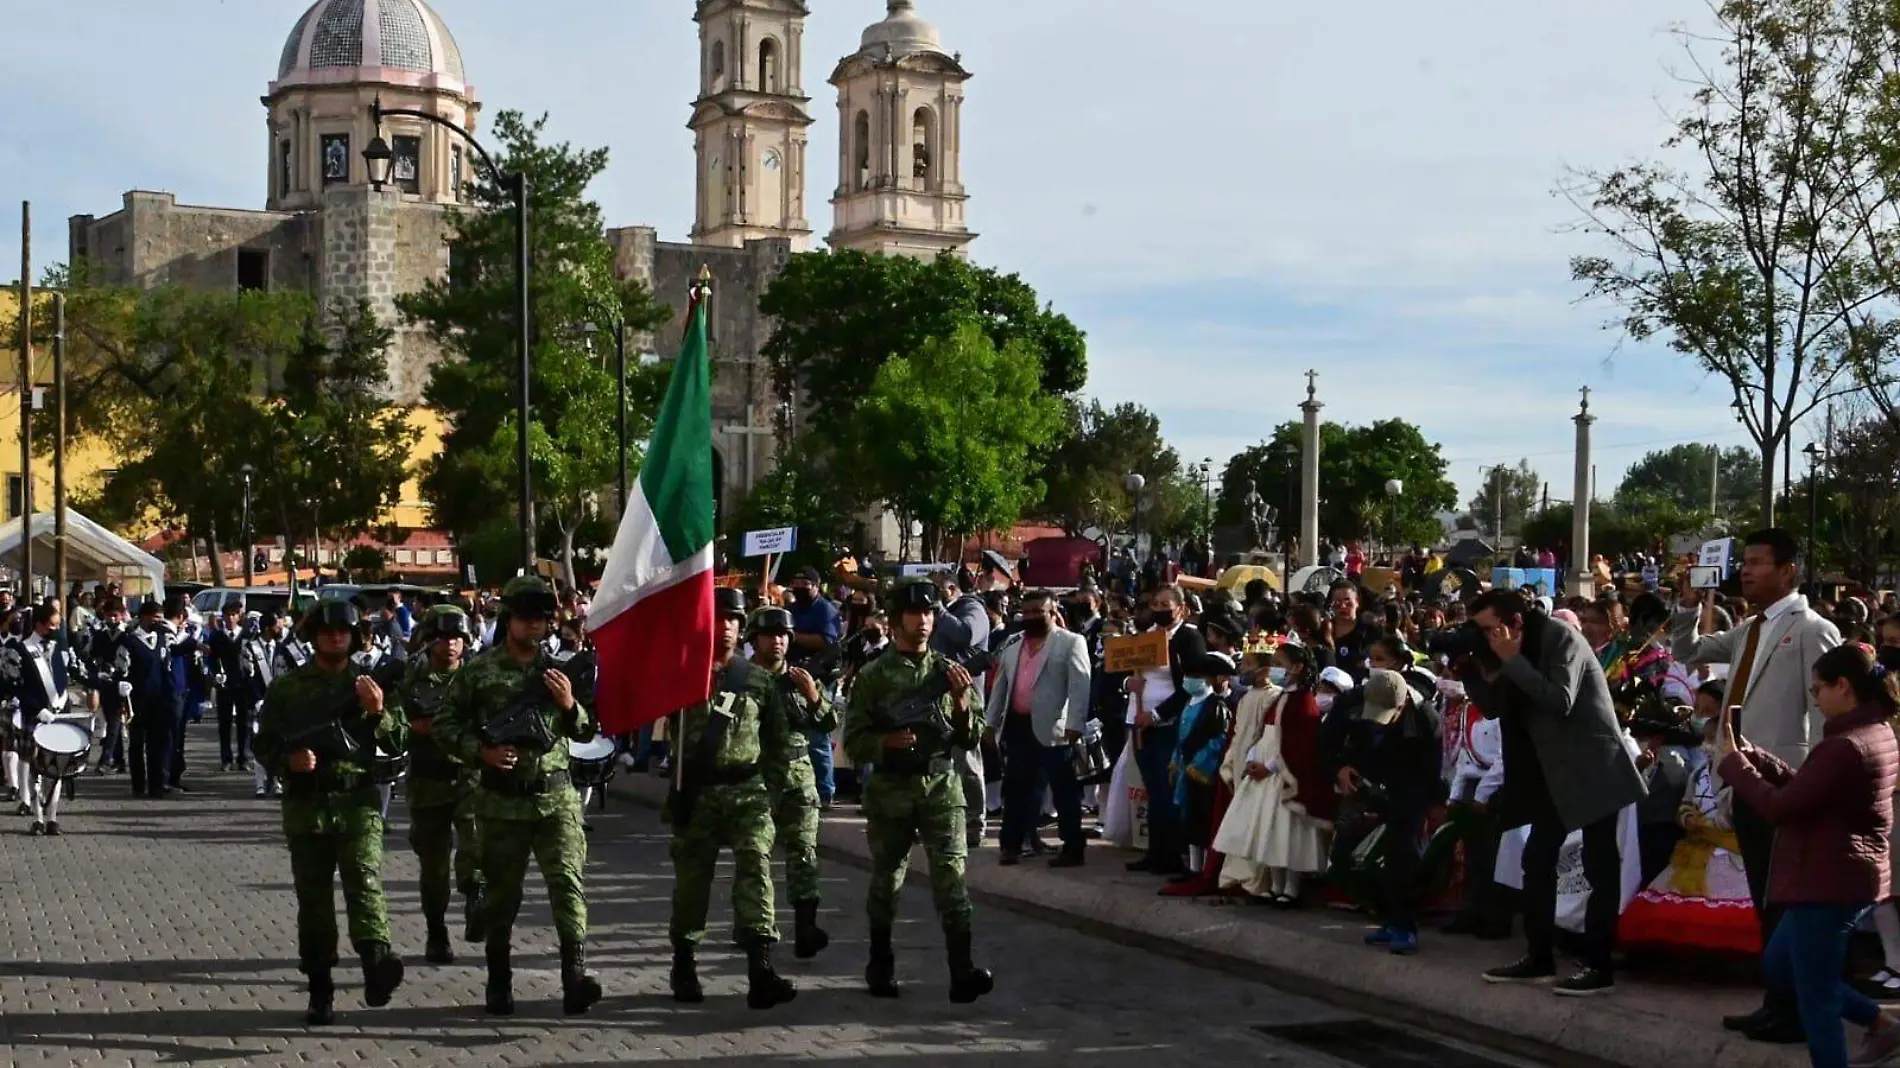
(159, 933)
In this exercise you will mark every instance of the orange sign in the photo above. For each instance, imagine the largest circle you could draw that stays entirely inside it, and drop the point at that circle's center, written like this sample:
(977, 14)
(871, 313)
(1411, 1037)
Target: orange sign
(1135, 652)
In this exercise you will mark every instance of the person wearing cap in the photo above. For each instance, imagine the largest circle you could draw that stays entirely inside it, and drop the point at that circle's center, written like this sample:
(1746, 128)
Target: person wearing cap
(225, 644)
(111, 666)
(795, 809)
(525, 800)
(257, 670)
(331, 811)
(1194, 768)
(915, 791)
(442, 828)
(730, 771)
(1389, 762)
(150, 694)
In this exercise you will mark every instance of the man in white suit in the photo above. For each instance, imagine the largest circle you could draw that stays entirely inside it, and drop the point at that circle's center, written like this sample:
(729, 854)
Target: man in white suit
(1038, 706)
(1770, 656)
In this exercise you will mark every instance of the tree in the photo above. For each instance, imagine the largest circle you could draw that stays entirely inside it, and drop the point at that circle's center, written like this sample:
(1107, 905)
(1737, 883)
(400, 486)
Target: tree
(840, 316)
(1355, 463)
(801, 491)
(1099, 447)
(471, 484)
(1769, 263)
(1680, 473)
(959, 423)
(1521, 488)
(1859, 511)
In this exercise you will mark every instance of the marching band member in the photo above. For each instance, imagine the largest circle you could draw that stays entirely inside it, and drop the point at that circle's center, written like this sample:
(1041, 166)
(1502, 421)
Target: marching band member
(35, 668)
(259, 661)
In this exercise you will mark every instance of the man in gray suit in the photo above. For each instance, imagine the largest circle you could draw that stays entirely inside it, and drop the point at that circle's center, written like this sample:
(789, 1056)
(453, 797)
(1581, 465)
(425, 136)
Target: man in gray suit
(1566, 768)
(963, 628)
(1770, 657)
(1038, 706)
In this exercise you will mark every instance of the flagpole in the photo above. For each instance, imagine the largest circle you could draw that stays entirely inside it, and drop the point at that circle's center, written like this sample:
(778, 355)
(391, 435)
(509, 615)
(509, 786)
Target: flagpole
(696, 295)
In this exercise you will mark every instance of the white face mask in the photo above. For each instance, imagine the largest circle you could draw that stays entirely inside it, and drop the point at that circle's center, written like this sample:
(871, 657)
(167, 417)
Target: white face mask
(1325, 702)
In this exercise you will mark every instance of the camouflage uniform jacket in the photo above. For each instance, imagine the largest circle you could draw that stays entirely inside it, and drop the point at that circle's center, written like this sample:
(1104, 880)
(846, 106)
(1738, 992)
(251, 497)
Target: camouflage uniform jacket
(486, 687)
(435, 777)
(880, 687)
(328, 800)
(803, 716)
(758, 737)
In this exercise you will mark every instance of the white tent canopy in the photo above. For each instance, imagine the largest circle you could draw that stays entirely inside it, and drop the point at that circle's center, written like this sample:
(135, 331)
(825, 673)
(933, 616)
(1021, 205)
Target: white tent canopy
(93, 553)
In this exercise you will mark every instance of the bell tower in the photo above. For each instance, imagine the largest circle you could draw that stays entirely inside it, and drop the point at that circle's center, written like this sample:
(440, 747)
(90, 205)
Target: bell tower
(900, 158)
(749, 123)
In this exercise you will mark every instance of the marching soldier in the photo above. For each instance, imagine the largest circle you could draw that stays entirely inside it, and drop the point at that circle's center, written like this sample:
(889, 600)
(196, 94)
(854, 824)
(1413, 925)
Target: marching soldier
(511, 713)
(441, 827)
(909, 708)
(731, 772)
(319, 725)
(795, 807)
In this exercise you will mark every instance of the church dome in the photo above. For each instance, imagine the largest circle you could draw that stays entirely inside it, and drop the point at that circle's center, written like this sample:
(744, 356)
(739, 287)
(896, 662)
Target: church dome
(400, 42)
(902, 31)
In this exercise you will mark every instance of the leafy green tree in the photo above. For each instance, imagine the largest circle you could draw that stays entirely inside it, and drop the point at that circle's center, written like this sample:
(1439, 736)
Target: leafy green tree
(470, 314)
(840, 316)
(958, 426)
(801, 491)
(1520, 488)
(1355, 463)
(1767, 259)
(1097, 449)
(1681, 474)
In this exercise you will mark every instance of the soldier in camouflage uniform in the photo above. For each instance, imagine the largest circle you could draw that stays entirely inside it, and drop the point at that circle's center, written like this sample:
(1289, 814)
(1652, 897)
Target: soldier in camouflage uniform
(909, 708)
(439, 789)
(795, 810)
(730, 771)
(319, 726)
(511, 713)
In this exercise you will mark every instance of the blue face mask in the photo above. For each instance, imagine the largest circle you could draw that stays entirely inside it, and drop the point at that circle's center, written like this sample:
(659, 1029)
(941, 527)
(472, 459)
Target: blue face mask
(1194, 687)
(1276, 675)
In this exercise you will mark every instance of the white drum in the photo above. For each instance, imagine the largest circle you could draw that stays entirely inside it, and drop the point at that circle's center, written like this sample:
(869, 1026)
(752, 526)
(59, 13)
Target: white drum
(60, 749)
(592, 763)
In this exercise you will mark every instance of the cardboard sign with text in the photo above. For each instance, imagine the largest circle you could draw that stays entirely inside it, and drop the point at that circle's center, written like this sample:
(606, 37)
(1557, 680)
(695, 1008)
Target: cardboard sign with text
(1135, 652)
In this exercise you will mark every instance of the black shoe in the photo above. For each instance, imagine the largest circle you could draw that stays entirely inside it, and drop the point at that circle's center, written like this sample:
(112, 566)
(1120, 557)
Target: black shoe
(881, 974)
(227, 767)
(1527, 970)
(1068, 859)
(1748, 1021)
(37, 829)
(52, 828)
(24, 810)
(1009, 860)
(322, 1010)
(579, 990)
(262, 795)
(500, 999)
(473, 929)
(1778, 1031)
(685, 977)
(765, 987)
(437, 949)
(967, 981)
(808, 939)
(382, 974)
(1586, 982)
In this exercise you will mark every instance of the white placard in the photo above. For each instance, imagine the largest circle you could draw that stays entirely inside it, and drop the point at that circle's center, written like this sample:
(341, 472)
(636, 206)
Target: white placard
(915, 570)
(771, 542)
(1716, 553)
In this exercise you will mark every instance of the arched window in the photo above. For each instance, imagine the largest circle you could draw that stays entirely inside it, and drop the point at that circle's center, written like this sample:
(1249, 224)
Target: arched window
(923, 147)
(861, 150)
(718, 62)
(768, 66)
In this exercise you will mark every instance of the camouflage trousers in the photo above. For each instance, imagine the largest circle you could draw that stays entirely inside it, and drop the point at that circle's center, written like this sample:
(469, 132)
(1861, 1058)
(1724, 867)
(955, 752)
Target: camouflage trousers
(795, 818)
(738, 818)
(446, 843)
(969, 764)
(559, 846)
(318, 862)
(899, 812)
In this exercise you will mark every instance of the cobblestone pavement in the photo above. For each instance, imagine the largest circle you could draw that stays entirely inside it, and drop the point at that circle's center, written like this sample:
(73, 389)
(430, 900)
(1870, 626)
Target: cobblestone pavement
(158, 933)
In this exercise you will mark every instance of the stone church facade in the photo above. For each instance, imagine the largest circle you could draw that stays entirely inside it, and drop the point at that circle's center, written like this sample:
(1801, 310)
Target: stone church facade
(325, 230)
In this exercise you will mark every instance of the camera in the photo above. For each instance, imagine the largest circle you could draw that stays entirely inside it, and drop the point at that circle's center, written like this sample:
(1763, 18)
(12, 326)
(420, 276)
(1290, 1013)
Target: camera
(1466, 639)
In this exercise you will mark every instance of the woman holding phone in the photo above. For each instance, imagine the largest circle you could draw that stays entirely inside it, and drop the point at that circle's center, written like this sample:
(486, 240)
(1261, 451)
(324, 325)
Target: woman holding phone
(1833, 819)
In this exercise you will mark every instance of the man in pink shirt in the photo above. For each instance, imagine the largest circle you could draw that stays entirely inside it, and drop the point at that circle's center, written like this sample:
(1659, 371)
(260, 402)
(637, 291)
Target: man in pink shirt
(1037, 705)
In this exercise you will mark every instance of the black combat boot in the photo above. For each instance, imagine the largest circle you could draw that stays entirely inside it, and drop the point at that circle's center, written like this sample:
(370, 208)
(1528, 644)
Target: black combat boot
(579, 990)
(473, 928)
(685, 978)
(767, 988)
(881, 974)
(437, 949)
(501, 982)
(809, 938)
(967, 981)
(322, 1010)
(382, 974)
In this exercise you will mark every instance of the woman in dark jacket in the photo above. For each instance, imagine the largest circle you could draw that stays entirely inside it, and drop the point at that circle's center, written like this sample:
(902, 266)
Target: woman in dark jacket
(1833, 819)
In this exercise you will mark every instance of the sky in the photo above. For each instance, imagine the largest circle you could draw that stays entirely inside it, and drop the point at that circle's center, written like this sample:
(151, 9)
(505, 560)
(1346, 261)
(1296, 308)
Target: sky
(1222, 194)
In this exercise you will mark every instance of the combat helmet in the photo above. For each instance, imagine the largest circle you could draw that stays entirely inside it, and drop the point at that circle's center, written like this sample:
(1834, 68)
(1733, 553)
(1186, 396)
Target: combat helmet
(329, 614)
(529, 597)
(770, 620)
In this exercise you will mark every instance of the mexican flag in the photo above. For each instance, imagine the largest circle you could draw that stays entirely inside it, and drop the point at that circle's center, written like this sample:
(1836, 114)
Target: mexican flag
(652, 621)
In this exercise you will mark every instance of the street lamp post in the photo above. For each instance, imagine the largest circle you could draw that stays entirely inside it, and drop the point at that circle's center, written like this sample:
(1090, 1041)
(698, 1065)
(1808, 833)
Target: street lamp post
(1134, 484)
(377, 155)
(620, 411)
(1814, 506)
(1394, 489)
(1497, 501)
(1207, 506)
(244, 529)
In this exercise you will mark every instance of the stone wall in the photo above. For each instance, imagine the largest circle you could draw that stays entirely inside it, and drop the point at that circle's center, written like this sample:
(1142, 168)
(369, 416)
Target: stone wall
(154, 240)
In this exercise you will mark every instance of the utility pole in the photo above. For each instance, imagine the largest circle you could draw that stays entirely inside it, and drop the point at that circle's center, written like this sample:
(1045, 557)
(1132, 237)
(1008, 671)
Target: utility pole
(59, 454)
(1715, 480)
(26, 401)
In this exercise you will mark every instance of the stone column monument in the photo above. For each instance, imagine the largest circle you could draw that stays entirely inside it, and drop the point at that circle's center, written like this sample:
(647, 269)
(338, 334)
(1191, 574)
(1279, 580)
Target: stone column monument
(1581, 583)
(1309, 475)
